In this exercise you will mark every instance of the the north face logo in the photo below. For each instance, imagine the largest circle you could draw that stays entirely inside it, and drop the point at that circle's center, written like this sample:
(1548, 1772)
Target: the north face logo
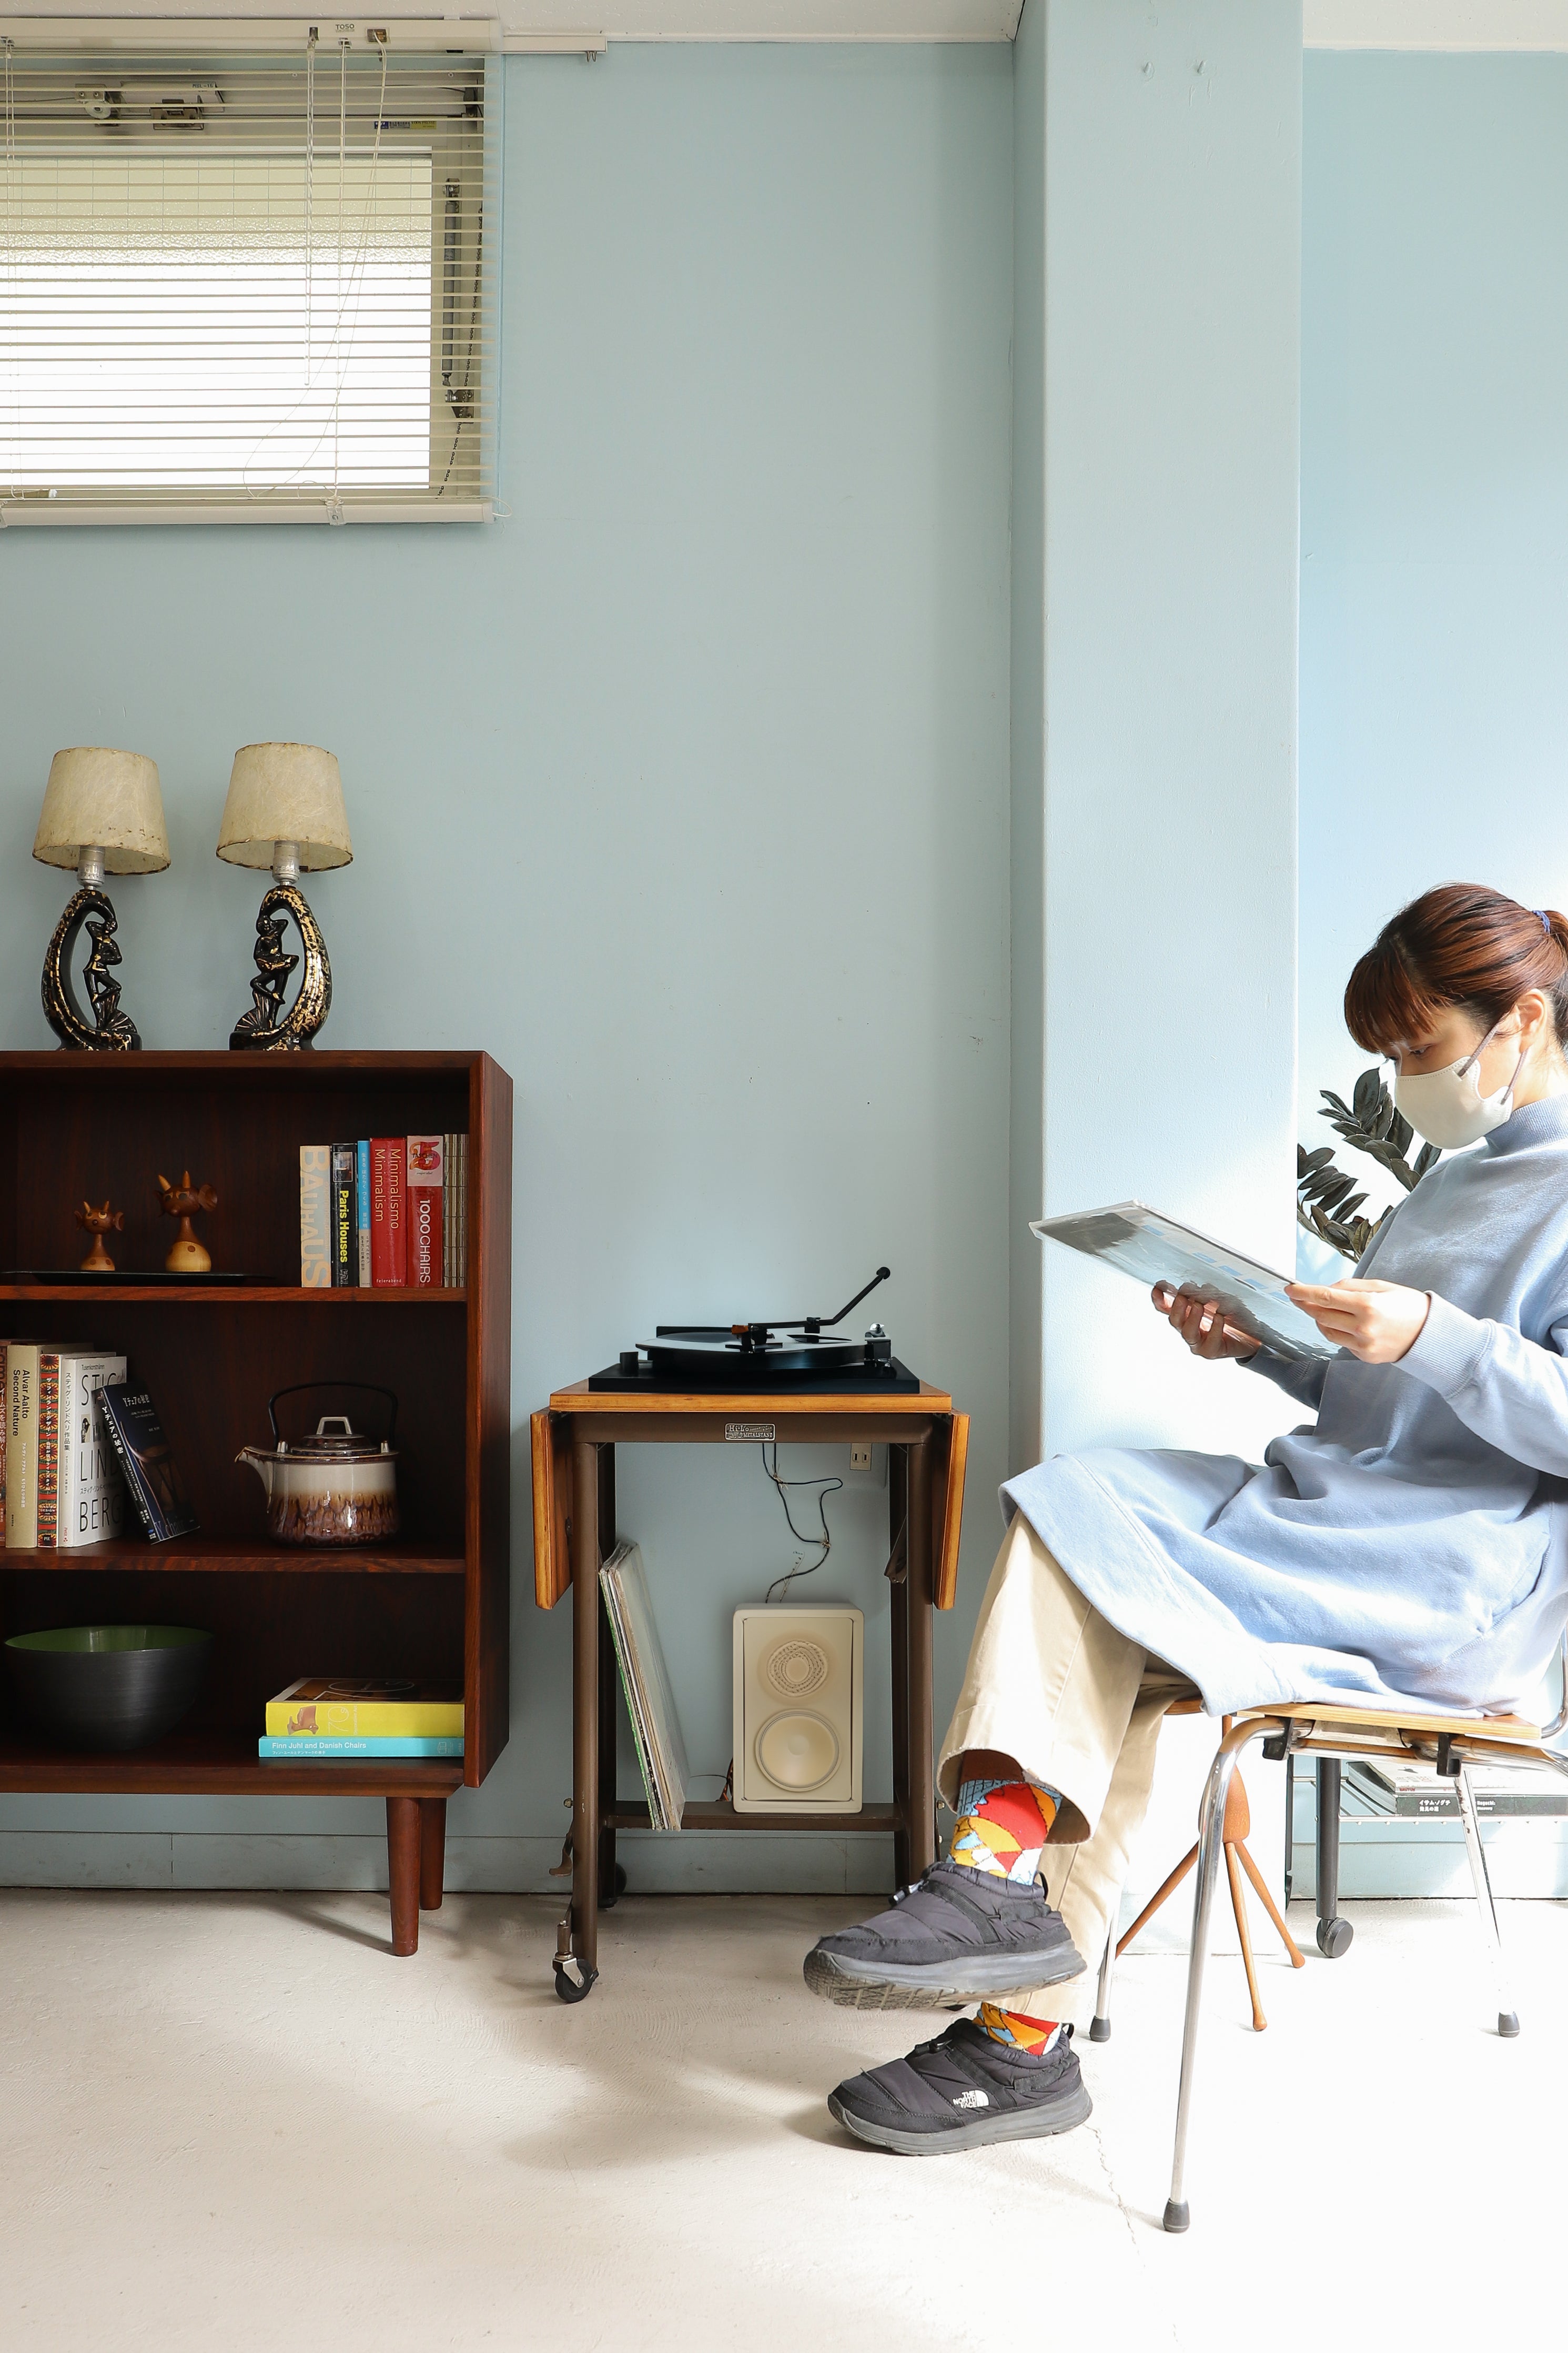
(973, 2100)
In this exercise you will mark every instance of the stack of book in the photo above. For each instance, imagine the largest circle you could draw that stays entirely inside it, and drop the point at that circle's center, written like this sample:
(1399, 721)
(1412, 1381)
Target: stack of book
(650, 1703)
(60, 1481)
(348, 1718)
(1406, 1790)
(387, 1211)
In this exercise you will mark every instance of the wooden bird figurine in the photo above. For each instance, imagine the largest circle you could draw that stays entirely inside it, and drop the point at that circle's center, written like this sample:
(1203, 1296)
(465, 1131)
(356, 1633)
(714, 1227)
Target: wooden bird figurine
(99, 1222)
(188, 1255)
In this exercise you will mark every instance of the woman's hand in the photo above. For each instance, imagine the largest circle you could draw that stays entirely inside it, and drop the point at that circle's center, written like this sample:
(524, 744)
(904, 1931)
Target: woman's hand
(1377, 1321)
(1201, 1323)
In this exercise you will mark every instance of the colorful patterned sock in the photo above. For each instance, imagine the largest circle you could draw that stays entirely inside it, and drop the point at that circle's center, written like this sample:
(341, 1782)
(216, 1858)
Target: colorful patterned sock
(1019, 2030)
(1003, 1826)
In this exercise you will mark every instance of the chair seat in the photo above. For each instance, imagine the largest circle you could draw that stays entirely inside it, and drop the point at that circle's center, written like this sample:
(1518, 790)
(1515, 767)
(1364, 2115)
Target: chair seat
(1399, 1718)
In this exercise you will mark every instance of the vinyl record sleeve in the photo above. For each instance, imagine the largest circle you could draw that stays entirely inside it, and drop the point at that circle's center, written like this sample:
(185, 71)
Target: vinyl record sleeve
(647, 1682)
(1153, 1248)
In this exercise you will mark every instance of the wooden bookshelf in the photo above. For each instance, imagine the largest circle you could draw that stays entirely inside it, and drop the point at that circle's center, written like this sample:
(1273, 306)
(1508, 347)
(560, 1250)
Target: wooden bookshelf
(434, 1603)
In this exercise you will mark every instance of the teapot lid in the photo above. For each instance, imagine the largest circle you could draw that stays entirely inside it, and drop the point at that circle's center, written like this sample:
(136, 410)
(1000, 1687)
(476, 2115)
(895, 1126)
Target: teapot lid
(343, 1444)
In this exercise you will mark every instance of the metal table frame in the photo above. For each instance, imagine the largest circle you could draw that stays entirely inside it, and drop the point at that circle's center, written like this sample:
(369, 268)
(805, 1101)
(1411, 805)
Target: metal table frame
(575, 1442)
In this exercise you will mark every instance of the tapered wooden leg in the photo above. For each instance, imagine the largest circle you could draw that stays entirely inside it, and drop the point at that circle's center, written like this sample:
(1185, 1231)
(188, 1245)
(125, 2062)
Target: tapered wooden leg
(432, 1852)
(1286, 1938)
(1238, 1905)
(1158, 1898)
(402, 1873)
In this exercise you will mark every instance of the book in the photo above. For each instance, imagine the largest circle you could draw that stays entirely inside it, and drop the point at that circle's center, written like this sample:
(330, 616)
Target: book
(1416, 1791)
(661, 1751)
(448, 1168)
(360, 1706)
(388, 1234)
(22, 1445)
(322, 1747)
(92, 1491)
(345, 1220)
(361, 1208)
(60, 1371)
(153, 1481)
(315, 1217)
(3, 1419)
(426, 1166)
(460, 1195)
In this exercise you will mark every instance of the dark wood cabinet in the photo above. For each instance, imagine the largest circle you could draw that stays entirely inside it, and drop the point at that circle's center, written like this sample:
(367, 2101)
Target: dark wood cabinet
(434, 1603)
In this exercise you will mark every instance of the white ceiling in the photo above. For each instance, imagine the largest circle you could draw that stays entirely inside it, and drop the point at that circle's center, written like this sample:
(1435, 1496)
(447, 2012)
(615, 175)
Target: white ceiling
(1452, 25)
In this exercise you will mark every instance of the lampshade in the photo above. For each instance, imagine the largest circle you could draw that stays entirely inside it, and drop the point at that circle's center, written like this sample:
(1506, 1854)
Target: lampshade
(285, 792)
(95, 797)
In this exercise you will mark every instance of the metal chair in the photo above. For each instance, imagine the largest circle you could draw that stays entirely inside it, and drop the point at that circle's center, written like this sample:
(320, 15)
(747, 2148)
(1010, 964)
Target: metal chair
(1308, 1727)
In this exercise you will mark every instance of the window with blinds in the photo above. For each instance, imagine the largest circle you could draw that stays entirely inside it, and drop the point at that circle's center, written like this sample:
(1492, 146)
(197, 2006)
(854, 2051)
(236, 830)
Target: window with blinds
(247, 286)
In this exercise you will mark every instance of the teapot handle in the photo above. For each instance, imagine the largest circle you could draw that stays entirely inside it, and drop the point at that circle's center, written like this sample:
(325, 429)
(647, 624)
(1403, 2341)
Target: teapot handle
(296, 1387)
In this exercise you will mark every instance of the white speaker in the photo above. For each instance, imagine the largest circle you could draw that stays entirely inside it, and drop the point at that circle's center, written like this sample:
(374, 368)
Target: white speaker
(799, 1709)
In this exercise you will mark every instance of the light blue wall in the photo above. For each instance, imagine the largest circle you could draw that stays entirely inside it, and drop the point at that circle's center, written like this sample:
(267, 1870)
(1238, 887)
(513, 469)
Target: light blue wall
(684, 791)
(1435, 568)
(1434, 502)
(1172, 197)
(1027, 1187)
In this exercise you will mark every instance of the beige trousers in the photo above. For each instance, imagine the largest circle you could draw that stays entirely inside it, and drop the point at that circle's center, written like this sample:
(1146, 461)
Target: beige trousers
(1050, 1683)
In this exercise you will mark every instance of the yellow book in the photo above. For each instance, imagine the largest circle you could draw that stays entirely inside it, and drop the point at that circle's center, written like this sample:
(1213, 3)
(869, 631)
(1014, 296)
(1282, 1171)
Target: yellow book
(366, 1707)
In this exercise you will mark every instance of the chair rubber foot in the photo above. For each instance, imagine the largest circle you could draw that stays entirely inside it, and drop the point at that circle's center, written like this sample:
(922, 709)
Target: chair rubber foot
(1177, 2216)
(1100, 2030)
(1507, 2023)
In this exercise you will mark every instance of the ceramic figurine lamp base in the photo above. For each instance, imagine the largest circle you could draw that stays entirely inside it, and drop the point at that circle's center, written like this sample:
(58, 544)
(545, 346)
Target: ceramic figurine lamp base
(104, 814)
(285, 810)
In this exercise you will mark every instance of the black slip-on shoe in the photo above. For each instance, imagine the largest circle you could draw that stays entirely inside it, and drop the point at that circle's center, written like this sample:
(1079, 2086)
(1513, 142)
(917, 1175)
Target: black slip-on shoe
(957, 1936)
(963, 2091)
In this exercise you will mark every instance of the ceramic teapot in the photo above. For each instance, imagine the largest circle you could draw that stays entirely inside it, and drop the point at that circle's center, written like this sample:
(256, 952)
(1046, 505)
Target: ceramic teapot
(334, 1486)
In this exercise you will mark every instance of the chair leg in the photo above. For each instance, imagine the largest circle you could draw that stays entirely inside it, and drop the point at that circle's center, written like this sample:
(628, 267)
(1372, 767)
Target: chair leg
(1168, 1887)
(1238, 1905)
(1508, 2017)
(1100, 2025)
(1263, 1897)
(1211, 1841)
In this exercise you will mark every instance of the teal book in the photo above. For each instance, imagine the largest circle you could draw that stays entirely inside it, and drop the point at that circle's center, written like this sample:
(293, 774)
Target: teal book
(277, 1746)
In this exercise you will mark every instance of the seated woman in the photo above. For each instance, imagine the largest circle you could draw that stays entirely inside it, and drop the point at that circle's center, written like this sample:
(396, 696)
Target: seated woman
(1411, 1541)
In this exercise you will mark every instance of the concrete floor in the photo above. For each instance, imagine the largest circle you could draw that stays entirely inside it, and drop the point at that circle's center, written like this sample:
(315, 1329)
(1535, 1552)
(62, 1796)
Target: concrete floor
(235, 2121)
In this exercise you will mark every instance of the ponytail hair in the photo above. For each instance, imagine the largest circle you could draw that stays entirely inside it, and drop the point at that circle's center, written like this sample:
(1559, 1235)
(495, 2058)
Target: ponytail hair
(1460, 946)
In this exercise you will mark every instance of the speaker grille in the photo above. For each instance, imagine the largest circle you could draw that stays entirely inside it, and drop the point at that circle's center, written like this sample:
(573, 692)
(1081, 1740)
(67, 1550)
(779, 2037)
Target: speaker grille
(793, 1669)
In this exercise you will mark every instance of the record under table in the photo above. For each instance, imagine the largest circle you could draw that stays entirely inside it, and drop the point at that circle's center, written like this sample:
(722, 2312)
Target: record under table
(574, 1440)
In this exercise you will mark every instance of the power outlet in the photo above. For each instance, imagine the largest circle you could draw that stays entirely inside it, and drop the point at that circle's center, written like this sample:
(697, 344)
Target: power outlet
(867, 1463)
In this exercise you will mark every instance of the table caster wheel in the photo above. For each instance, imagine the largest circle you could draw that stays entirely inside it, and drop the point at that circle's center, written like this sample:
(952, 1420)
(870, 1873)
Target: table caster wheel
(1334, 1938)
(573, 1981)
(607, 1902)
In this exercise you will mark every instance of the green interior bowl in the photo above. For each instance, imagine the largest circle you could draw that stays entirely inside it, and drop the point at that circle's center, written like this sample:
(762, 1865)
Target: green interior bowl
(108, 1686)
(77, 1639)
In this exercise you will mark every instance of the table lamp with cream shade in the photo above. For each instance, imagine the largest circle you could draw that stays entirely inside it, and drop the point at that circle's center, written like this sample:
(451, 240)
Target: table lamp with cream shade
(102, 814)
(285, 810)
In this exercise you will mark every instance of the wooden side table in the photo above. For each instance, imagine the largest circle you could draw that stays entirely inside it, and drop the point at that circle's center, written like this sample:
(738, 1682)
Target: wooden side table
(574, 1441)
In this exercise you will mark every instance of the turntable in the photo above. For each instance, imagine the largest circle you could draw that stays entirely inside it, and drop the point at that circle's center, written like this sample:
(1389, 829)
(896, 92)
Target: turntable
(800, 1352)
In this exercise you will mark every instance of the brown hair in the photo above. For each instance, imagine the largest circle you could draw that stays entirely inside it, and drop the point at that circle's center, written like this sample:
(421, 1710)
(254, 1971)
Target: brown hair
(1459, 946)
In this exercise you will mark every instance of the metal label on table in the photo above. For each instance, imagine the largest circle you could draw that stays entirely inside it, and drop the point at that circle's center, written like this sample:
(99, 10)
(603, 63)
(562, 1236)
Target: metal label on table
(752, 1429)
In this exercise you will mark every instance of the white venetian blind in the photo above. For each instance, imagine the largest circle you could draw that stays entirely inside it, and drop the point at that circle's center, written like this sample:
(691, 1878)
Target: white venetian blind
(243, 286)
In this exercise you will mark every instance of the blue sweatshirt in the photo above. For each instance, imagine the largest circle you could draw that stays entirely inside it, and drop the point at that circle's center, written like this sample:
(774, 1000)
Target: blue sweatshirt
(1413, 1540)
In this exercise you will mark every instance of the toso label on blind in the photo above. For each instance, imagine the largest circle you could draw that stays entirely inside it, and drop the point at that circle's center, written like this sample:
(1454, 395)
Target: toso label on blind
(752, 1430)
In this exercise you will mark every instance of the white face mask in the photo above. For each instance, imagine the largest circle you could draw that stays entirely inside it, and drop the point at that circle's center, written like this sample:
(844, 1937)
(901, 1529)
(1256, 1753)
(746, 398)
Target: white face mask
(1447, 1107)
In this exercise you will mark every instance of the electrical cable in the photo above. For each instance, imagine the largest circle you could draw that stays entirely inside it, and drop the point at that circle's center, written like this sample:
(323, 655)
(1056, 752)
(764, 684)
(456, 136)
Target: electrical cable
(825, 1541)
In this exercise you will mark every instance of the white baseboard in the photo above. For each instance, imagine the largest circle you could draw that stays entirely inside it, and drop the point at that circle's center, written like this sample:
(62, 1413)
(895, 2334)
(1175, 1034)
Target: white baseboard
(696, 1863)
